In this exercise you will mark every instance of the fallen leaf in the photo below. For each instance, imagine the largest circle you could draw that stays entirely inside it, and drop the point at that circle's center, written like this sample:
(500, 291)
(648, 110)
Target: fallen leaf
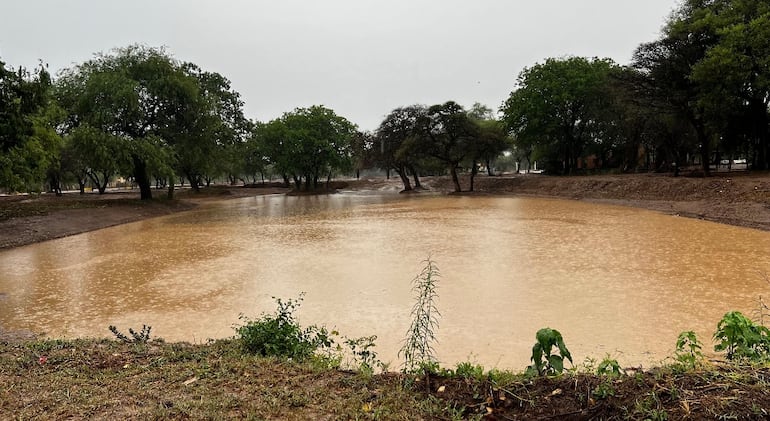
(556, 392)
(190, 381)
(441, 389)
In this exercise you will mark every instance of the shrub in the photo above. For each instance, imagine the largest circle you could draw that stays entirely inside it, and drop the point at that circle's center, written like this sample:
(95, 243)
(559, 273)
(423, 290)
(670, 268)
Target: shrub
(280, 335)
(741, 338)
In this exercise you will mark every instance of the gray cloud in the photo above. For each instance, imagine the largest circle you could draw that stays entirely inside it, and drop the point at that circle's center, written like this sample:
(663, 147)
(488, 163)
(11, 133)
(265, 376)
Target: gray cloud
(362, 58)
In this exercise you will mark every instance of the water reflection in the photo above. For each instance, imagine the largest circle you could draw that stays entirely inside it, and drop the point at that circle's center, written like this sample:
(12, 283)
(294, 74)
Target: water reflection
(612, 280)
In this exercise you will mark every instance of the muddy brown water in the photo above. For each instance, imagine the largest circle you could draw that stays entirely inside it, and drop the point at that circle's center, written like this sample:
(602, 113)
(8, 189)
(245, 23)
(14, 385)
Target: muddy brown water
(615, 281)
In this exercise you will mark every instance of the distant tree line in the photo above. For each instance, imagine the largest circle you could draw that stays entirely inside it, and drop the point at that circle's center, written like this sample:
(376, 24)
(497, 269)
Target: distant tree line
(698, 95)
(700, 91)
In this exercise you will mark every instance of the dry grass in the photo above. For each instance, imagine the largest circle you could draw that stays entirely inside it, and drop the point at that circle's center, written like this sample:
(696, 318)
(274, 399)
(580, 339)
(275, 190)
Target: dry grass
(104, 379)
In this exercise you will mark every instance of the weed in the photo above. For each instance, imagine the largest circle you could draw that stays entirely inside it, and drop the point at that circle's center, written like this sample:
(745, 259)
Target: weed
(688, 350)
(417, 350)
(544, 362)
(762, 311)
(603, 390)
(609, 367)
(468, 370)
(280, 335)
(651, 408)
(140, 337)
(741, 338)
(363, 355)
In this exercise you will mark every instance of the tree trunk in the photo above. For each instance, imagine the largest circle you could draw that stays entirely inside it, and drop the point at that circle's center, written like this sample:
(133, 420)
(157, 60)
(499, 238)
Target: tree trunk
(455, 178)
(193, 182)
(762, 134)
(489, 168)
(474, 171)
(140, 175)
(170, 194)
(705, 150)
(416, 177)
(404, 179)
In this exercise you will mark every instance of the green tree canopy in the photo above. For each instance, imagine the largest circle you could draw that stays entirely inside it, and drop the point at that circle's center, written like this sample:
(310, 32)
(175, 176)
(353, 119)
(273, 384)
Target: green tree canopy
(446, 133)
(557, 106)
(396, 148)
(29, 145)
(167, 117)
(308, 143)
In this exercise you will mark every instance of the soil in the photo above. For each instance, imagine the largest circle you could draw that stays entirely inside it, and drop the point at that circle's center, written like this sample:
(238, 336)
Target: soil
(737, 198)
(32, 219)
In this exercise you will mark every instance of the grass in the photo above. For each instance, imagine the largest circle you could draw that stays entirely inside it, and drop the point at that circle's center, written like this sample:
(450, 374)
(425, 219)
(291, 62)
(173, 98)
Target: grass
(107, 379)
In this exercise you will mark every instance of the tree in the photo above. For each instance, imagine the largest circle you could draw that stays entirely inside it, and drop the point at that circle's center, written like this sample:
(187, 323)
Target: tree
(308, 143)
(211, 126)
(710, 66)
(396, 149)
(163, 114)
(362, 145)
(557, 106)
(492, 140)
(667, 64)
(255, 153)
(446, 133)
(733, 76)
(489, 143)
(29, 144)
(100, 155)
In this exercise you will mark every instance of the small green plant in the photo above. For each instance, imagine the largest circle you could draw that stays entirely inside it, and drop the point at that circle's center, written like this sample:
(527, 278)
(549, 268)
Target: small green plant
(741, 338)
(143, 336)
(688, 350)
(603, 390)
(468, 370)
(363, 355)
(609, 367)
(280, 335)
(417, 350)
(544, 361)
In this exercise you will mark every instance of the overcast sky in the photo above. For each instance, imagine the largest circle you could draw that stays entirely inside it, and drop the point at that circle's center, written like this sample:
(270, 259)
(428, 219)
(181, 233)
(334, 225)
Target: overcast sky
(361, 58)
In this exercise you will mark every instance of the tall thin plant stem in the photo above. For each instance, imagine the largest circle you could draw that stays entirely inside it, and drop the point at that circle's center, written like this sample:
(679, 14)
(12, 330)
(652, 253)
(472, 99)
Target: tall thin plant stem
(418, 345)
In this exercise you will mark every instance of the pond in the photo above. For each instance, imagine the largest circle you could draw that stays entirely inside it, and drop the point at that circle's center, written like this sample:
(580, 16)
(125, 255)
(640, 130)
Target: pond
(615, 281)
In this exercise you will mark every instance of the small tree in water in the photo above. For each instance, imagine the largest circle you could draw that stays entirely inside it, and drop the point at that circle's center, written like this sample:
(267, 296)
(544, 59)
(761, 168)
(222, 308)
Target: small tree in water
(417, 350)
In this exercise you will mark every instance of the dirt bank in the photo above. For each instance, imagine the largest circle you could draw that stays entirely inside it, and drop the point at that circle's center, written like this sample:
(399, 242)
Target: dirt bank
(738, 199)
(32, 219)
